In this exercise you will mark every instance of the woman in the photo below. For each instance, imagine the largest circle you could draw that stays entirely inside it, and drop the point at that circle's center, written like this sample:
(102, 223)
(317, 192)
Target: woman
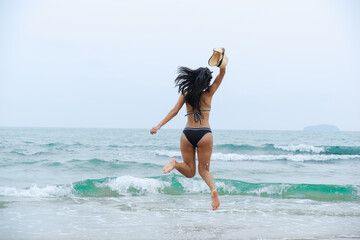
(196, 93)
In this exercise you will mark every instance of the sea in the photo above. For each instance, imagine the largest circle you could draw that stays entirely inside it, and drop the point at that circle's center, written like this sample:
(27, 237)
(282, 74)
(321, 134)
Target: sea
(78, 183)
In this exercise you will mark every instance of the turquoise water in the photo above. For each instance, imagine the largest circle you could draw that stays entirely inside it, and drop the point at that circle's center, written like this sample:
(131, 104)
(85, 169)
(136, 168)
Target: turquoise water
(108, 184)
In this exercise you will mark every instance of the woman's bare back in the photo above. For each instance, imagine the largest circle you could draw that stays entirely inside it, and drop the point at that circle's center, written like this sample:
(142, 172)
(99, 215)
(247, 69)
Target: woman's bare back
(193, 121)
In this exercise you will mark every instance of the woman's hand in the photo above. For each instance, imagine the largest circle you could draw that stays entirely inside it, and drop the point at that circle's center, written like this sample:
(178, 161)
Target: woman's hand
(154, 130)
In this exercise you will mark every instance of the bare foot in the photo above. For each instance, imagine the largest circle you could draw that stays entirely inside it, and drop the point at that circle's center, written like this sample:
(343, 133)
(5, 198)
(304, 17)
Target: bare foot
(170, 166)
(215, 200)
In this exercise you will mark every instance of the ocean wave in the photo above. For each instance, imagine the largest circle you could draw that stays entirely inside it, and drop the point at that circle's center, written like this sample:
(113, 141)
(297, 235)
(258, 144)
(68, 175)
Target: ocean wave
(136, 186)
(282, 157)
(176, 185)
(87, 164)
(45, 149)
(59, 144)
(22, 153)
(300, 148)
(106, 187)
(129, 145)
(244, 147)
(294, 148)
(36, 192)
(96, 163)
(168, 153)
(331, 150)
(343, 150)
(262, 157)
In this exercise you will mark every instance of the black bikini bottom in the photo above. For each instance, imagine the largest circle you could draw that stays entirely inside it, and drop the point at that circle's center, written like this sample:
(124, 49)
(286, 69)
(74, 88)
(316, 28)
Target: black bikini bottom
(194, 135)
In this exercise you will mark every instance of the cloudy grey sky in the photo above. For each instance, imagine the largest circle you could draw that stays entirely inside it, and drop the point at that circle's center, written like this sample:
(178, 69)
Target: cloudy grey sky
(108, 63)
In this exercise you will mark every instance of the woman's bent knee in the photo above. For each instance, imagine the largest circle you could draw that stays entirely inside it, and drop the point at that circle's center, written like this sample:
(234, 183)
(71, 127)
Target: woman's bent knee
(190, 174)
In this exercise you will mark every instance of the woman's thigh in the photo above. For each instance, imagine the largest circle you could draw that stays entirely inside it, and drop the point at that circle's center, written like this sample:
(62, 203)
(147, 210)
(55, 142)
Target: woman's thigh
(187, 152)
(204, 150)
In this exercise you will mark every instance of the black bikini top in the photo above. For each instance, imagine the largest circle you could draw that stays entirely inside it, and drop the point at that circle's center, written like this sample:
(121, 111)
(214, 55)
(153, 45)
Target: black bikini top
(197, 115)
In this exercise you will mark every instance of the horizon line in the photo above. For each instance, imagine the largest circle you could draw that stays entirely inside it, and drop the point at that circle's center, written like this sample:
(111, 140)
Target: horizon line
(171, 128)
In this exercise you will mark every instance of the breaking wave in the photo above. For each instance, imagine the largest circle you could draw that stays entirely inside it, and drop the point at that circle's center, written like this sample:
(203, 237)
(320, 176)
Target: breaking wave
(218, 156)
(176, 185)
(299, 148)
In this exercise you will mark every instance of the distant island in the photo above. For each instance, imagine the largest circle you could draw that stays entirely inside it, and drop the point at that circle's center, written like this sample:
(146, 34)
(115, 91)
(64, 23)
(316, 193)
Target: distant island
(322, 128)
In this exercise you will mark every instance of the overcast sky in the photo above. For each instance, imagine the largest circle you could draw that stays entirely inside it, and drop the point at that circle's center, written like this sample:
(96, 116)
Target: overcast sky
(112, 63)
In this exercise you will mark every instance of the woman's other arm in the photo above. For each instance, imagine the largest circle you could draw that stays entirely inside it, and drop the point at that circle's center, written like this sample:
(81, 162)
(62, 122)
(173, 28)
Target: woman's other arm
(173, 112)
(218, 80)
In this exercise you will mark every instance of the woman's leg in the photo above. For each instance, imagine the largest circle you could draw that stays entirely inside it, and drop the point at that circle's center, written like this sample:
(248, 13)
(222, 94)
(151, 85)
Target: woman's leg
(188, 167)
(204, 152)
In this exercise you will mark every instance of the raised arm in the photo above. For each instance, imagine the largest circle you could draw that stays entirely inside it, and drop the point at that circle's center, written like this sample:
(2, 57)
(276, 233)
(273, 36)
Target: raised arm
(217, 82)
(173, 112)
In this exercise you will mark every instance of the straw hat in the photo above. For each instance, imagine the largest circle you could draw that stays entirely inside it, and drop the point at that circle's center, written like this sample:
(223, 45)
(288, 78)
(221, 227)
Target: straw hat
(218, 58)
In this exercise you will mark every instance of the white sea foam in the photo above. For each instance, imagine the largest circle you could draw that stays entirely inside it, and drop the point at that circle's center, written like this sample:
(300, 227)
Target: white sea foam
(357, 189)
(300, 148)
(155, 186)
(168, 153)
(271, 189)
(288, 157)
(199, 186)
(36, 192)
(121, 184)
(193, 186)
(142, 185)
(248, 157)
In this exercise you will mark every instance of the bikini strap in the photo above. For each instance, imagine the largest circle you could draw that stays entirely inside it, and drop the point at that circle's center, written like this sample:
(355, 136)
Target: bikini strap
(188, 113)
(197, 115)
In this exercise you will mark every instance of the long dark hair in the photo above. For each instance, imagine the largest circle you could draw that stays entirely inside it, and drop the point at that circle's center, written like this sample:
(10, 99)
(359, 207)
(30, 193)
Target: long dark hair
(193, 83)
